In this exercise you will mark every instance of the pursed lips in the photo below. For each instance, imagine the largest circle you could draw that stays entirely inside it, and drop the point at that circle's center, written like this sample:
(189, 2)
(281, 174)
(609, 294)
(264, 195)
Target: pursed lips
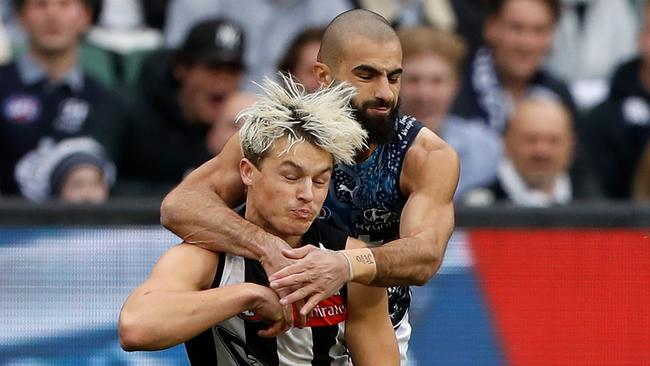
(303, 213)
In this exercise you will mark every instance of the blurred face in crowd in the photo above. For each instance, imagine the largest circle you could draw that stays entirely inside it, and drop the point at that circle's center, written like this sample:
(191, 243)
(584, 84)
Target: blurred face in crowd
(429, 85)
(539, 140)
(54, 26)
(224, 126)
(286, 191)
(520, 37)
(375, 69)
(304, 71)
(203, 91)
(84, 184)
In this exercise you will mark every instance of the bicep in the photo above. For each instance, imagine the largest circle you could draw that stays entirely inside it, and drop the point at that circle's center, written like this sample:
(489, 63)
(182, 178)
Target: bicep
(429, 179)
(184, 267)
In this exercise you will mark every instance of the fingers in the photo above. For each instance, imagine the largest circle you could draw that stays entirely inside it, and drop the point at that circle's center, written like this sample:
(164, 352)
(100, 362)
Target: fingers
(310, 304)
(298, 253)
(276, 328)
(290, 281)
(287, 271)
(300, 320)
(287, 313)
(297, 295)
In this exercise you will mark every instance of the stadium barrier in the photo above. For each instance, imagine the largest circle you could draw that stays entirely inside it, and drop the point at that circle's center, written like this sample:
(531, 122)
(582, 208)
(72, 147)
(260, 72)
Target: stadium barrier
(560, 286)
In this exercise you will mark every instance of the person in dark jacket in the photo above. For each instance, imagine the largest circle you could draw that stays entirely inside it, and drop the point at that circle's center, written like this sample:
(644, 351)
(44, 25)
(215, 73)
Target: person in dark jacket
(617, 130)
(44, 94)
(518, 35)
(179, 95)
(539, 145)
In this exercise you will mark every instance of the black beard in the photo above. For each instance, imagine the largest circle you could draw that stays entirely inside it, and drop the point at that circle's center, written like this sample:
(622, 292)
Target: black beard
(381, 130)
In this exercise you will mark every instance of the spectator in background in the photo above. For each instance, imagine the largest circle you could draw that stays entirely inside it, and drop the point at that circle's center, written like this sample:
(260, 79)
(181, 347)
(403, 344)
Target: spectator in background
(539, 144)
(301, 56)
(44, 93)
(269, 25)
(432, 61)
(226, 123)
(75, 170)
(641, 187)
(592, 38)
(125, 26)
(464, 17)
(519, 34)
(179, 95)
(617, 129)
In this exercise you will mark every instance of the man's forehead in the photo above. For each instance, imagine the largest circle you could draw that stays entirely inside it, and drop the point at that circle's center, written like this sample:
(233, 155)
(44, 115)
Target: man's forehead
(370, 48)
(304, 155)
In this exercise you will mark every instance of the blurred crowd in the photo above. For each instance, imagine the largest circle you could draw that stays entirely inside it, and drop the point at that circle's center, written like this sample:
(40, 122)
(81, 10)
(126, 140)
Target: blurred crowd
(547, 102)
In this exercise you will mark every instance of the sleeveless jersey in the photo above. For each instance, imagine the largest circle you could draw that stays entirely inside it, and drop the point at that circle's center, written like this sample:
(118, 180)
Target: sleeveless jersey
(235, 342)
(365, 200)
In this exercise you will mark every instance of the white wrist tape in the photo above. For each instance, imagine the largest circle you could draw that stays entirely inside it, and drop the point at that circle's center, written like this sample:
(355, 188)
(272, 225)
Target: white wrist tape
(363, 267)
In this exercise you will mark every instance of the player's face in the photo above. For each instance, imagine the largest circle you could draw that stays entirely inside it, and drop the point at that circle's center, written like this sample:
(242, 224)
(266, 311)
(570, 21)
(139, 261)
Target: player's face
(375, 69)
(520, 37)
(539, 141)
(287, 192)
(54, 25)
(429, 86)
(204, 90)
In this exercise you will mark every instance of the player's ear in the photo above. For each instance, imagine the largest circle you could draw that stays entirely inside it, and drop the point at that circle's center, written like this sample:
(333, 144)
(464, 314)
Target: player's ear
(246, 171)
(323, 73)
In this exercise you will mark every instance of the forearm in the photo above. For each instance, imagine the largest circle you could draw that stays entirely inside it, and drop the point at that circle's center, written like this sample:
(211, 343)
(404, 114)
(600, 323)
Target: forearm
(408, 261)
(159, 319)
(200, 217)
(377, 349)
(368, 330)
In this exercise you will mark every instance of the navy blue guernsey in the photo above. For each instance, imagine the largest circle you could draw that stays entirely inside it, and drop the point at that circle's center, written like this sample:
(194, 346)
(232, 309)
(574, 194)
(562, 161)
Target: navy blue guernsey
(30, 112)
(365, 200)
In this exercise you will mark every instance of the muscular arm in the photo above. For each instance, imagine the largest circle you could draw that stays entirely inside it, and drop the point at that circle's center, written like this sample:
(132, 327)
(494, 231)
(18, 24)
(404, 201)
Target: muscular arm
(368, 330)
(176, 303)
(429, 179)
(199, 211)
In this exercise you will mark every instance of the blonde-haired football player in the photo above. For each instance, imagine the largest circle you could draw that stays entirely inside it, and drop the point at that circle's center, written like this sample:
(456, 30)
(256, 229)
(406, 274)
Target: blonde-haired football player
(219, 304)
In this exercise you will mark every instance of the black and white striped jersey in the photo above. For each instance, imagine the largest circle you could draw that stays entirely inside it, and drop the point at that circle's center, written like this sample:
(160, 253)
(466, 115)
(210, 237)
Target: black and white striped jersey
(235, 341)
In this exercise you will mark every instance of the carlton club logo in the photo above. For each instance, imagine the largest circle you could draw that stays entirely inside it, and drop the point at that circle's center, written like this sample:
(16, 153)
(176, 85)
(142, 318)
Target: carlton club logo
(21, 109)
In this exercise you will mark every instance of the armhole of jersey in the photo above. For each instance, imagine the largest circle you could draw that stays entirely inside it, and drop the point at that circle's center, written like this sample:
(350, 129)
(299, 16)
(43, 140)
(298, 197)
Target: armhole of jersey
(219, 273)
(411, 135)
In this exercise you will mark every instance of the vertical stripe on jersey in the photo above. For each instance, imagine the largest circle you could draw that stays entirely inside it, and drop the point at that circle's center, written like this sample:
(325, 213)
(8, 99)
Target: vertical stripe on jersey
(199, 349)
(324, 339)
(265, 347)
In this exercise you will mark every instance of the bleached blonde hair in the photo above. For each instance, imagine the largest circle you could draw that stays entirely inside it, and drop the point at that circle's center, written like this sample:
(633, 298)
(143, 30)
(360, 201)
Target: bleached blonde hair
(323, 118)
